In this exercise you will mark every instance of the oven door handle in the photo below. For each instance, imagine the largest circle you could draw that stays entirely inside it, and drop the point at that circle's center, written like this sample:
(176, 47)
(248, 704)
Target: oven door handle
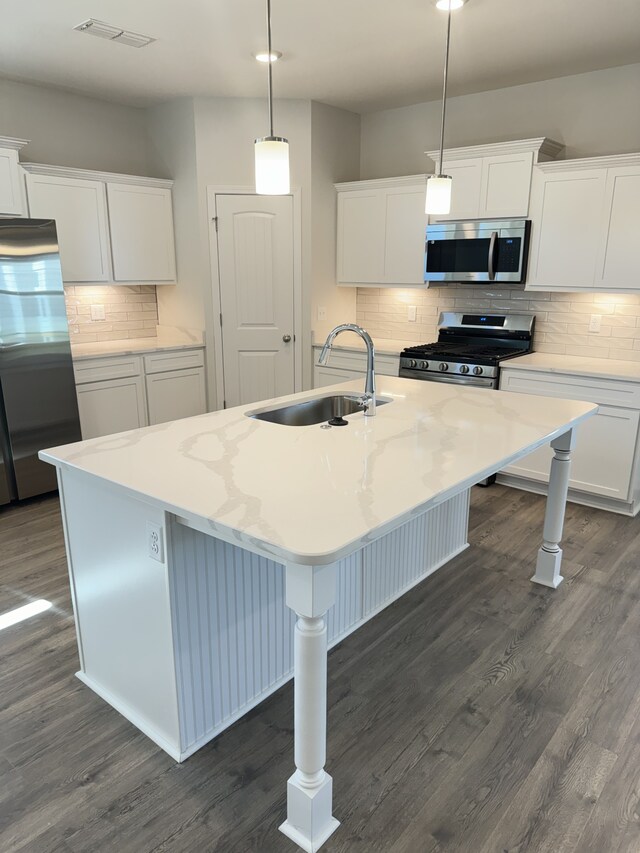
(493, 243)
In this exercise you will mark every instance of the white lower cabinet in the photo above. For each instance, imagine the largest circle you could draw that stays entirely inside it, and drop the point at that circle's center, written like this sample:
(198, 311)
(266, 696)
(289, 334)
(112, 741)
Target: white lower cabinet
(116, 394)
(111, 406)
(176, 394)
(347, 364)
(603, 463)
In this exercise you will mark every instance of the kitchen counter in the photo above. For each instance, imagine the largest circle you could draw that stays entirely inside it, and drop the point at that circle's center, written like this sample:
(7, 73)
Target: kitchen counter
(167, 339)
(383, 346)
(576, 365)
(214, 557)
(357, 482)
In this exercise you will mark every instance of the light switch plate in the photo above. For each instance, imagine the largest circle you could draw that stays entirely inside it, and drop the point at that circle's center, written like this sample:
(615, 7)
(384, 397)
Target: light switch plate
(412, 313)
(97, 312)
(322, 312)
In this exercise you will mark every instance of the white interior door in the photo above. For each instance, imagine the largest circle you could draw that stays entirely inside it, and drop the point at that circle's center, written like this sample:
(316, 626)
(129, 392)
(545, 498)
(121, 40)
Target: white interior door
(256, 270)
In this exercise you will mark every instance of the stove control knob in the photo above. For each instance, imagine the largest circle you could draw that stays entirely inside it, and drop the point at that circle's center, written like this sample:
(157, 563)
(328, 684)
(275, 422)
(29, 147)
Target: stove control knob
(413, 363)
(424, 365)
(464, 368)
(478, 371)
(443, 366)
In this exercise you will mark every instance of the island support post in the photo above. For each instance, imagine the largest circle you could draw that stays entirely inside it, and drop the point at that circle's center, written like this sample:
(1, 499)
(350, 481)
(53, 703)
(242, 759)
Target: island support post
(550, 554)
(310, 592)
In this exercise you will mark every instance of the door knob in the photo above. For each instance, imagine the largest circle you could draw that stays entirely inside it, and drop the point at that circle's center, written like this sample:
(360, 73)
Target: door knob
(286, 338)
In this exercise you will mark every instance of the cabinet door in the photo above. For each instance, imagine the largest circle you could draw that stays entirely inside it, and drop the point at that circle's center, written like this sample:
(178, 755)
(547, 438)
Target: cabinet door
(465, 190)
(323, 376)
(141, 224)
(11, 184)
(506, 185)
(176, 394)
(361, 237)
(112, 406)
(602, 462)
(405, 226)
(618, 256)
(80, 211)
(566, 213)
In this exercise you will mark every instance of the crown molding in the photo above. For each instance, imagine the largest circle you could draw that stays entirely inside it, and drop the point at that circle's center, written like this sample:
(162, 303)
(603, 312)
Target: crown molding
(542, 147)
(90, 175)
(610, 161)
(383, 183)
(12, 142)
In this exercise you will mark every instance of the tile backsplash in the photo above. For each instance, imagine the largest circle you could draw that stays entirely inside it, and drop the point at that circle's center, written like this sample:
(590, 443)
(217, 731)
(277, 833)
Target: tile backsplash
(131, 311)
(562, 319)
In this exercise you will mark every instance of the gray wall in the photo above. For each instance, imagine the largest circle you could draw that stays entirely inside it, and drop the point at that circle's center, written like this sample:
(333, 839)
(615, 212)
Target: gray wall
(594, 113)
(73, 130)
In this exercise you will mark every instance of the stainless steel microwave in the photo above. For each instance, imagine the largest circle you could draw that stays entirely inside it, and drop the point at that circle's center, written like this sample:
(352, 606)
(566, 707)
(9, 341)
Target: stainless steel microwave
(478, 251)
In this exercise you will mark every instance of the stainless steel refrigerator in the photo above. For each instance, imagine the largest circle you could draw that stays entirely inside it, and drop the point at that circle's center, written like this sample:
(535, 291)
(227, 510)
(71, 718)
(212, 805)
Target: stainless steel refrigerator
(38, 404)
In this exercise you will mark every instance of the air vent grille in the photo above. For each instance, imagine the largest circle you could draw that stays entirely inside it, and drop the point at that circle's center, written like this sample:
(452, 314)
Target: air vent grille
(111, 33)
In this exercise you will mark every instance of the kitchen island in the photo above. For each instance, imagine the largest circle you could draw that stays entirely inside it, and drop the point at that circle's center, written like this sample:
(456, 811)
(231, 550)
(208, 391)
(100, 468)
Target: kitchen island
(209, 556)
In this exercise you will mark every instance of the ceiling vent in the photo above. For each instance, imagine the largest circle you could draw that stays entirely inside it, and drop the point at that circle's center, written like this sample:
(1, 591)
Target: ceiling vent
(111, 33)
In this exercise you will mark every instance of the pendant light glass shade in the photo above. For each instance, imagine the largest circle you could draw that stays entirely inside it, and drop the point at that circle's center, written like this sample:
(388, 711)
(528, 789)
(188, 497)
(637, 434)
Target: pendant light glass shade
(438, 194)
(272, 166)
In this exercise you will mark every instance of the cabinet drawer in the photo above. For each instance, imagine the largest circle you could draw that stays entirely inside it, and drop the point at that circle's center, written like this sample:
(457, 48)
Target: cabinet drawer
(182, 360)
(100, 369)
(386, 365)
(591, 389)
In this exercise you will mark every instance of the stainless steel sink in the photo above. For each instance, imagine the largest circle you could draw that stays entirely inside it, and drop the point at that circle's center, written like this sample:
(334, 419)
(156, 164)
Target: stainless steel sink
(315, 411)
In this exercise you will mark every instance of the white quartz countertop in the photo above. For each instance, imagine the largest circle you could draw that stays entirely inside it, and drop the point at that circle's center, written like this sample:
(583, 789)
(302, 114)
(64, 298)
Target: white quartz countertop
(173, 339)
(383, 346)
(313, 495)
(576, 365)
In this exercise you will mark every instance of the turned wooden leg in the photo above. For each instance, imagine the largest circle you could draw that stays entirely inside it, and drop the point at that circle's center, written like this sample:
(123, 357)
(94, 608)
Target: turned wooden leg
(550, 554)
(310, 592)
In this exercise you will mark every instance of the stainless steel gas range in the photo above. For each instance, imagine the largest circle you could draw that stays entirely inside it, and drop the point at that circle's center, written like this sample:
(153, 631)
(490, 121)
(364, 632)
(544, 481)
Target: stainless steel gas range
(470, 348)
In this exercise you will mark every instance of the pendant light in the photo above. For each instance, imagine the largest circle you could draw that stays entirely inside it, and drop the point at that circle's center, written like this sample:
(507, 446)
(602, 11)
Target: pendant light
(271, 152)
(439, 186)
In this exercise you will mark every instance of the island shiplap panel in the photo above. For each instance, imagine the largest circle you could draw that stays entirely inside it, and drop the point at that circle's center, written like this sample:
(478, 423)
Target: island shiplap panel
(233, 633)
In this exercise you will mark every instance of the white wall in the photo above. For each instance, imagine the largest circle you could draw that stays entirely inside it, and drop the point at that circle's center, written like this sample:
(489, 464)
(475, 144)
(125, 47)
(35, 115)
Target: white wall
(593, 113)
(335, 157)
(73, 130)
(173, 152)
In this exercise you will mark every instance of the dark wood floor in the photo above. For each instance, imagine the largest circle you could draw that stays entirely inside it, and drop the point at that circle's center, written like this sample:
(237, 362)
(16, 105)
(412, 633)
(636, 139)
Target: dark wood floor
(479, 714)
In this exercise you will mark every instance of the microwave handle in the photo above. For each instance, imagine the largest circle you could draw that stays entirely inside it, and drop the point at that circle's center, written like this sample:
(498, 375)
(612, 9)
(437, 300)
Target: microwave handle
(492, 255)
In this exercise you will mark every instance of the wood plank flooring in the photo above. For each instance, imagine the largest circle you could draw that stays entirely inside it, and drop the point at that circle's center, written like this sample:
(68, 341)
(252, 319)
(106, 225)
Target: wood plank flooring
(479, 714)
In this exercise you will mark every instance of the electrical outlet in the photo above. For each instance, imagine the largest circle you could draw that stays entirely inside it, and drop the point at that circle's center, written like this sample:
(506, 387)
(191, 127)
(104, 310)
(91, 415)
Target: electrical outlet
(594, 322)
(155, 541)
(97, 312)
(412, 313)
(322, 312)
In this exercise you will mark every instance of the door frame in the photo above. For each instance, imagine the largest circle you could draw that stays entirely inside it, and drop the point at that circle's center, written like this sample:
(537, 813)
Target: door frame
(212, 212)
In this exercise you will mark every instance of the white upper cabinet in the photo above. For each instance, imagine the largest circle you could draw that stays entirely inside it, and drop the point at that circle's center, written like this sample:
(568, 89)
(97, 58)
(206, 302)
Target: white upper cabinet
(141, 224)
(566, 209)
(80, 211)
(466, 180)
(381, 232)
(111, 228)
(586, 221)
(492, 181)
(12, 196)
(360, 229)
(618, 256)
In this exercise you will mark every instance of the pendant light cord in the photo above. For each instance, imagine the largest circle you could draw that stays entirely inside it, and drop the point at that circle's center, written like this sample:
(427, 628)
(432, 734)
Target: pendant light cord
(444, 87)
(270, 63)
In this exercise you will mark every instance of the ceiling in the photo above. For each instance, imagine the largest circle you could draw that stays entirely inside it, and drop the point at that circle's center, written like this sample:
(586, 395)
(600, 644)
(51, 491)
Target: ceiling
(361, 55)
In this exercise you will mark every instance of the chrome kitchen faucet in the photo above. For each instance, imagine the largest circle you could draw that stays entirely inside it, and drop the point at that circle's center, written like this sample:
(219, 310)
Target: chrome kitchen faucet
(368, 400)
